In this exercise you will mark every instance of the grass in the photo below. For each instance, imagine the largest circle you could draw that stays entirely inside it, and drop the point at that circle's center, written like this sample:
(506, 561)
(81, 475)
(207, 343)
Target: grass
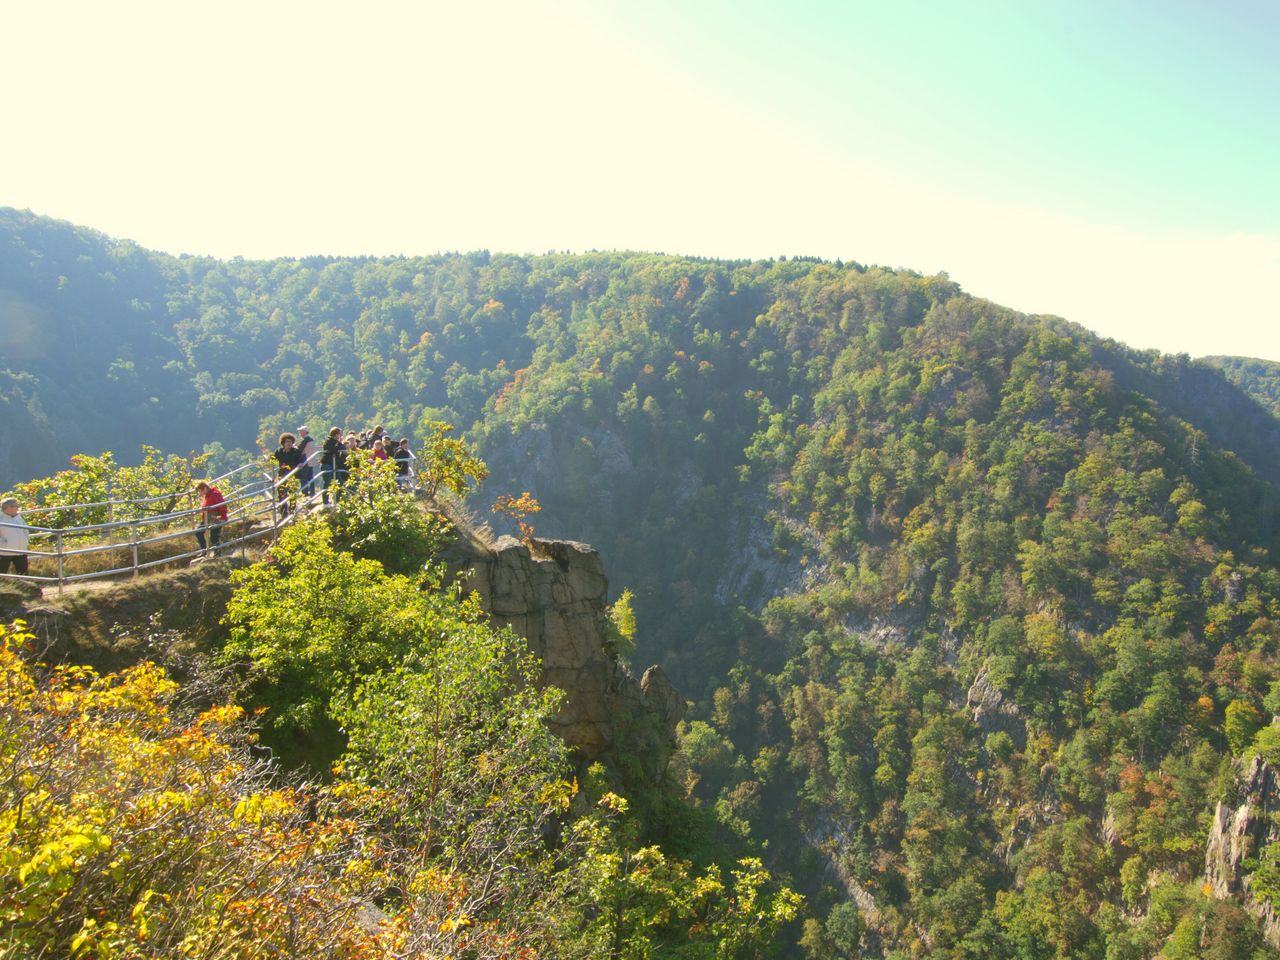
(115, 552)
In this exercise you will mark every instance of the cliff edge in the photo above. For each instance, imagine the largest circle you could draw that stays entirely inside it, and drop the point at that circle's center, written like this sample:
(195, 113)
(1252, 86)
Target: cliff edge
(1239, 833)
(556, 597)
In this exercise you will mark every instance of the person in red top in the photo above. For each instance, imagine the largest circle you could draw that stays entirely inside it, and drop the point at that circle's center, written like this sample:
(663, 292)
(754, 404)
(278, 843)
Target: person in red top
(213, 514)
(379, 450)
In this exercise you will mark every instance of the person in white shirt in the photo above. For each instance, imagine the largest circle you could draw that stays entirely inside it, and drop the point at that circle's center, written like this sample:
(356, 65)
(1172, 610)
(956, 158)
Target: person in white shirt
(14, 537)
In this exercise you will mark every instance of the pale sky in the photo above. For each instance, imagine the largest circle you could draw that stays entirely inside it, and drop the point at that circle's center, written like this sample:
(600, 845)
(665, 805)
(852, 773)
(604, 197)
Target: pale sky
(1114, 163)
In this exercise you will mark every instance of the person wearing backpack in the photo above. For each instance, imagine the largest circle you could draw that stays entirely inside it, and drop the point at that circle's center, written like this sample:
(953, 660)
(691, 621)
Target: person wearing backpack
(403, 458)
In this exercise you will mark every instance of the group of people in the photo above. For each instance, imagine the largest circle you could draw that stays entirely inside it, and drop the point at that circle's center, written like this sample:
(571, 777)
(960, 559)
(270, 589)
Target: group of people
(298, 456)
(298, 453)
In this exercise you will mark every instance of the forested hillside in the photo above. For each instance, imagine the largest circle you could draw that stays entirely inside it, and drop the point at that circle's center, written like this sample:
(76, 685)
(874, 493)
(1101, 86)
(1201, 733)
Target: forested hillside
(977, 608)
(1259, 378)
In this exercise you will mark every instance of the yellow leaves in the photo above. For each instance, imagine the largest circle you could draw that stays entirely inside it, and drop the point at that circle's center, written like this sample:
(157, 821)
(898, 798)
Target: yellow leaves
(453, 924)
(614, 803)
(1203, 710)
(518, 508)
(76, 843)
(258, 807)
(1045, 637)
(557, 793)
(434, 882)
(91, 930)
(222, 716)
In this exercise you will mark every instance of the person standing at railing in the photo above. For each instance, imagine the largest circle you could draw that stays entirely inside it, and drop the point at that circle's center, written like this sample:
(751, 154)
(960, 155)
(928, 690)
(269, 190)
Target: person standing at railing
(14, 538)
(213, 514)
(289, 458)
(402, 457)
(333, 454)
(307, 447)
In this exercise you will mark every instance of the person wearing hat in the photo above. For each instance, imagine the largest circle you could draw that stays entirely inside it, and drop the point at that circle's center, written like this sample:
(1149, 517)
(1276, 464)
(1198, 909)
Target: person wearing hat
(14, 538)
(289, 460)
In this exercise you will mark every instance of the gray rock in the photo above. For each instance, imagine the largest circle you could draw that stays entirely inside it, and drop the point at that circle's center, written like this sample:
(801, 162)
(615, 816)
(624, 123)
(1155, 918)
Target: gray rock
(1239, 832)
(556, 597)
(992, 711)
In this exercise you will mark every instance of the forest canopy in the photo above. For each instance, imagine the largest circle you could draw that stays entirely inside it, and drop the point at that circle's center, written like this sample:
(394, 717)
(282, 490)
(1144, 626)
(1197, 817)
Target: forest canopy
(854, 505)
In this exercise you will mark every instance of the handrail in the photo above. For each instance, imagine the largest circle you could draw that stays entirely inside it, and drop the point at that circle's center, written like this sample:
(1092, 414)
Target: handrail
(137, 500)
(253, 500)
(257, 487)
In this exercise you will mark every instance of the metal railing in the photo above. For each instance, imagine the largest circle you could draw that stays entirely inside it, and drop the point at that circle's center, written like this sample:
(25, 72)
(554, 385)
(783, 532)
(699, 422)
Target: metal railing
(62, 555)
(113, 505)
(253, 508)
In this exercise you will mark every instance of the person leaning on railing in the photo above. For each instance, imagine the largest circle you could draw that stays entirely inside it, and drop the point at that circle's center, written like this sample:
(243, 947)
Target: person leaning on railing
(213, 514)
(14, 538)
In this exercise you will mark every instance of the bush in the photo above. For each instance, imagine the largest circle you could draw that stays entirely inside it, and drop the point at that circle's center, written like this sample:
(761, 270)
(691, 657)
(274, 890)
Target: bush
(312, 621)
(133, 831)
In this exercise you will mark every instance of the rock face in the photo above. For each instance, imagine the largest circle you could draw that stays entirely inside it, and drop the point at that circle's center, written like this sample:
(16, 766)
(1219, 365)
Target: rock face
(1239, 832)
(557, 601)
(992, 712)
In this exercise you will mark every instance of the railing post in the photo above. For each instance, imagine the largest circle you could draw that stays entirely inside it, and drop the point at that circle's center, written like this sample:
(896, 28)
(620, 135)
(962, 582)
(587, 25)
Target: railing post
(58, 548)
(133, 544)
(275, 508)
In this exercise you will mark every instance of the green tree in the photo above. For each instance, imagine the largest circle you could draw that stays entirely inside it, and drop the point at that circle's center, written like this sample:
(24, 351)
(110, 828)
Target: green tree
(446, 462)
(311, 621)
(376, 520)
(1242, 721)
(455, 746)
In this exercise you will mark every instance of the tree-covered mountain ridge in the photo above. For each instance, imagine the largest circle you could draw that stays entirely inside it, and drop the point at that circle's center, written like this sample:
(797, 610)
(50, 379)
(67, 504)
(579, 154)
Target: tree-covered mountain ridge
(978, 609)
(1259, 378)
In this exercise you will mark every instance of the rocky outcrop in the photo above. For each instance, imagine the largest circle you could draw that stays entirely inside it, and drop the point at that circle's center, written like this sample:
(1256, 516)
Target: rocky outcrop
(1239, 832)
(556, 598)
(830, 836)
(993, 712)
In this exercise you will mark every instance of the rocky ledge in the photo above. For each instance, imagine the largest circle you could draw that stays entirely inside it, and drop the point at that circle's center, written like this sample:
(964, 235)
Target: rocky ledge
(556, 597)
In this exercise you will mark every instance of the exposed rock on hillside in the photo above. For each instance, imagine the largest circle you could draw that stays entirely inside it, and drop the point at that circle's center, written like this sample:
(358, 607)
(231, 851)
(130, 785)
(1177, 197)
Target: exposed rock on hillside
(1239, 832)
(107, 624)
(557, 600)
(992, 712)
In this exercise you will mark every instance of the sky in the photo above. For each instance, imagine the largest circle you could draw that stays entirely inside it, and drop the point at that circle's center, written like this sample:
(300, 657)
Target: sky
(1114, 163)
